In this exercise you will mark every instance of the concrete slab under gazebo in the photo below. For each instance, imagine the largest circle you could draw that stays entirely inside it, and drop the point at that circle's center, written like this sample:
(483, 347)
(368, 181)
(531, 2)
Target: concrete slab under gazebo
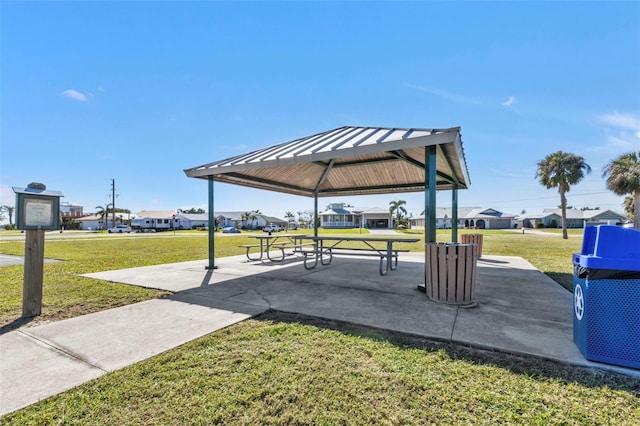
(350, 161)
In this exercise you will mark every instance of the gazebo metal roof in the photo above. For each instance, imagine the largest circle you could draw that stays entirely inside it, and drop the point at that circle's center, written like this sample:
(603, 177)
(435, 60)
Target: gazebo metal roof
(350, 161)
(347, 161)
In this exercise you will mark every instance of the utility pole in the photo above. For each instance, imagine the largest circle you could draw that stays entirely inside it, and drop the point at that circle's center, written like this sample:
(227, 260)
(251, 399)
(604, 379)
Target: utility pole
(113, 202)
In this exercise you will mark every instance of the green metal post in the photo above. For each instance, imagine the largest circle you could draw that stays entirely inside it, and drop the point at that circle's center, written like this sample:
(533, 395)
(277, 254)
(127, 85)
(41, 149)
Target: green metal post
(454, 213)
(315, 215)
(212, 227)
(430, 194)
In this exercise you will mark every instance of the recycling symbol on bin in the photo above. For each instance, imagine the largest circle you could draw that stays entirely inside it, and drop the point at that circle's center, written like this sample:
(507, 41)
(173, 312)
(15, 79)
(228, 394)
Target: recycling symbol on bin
(578, 302)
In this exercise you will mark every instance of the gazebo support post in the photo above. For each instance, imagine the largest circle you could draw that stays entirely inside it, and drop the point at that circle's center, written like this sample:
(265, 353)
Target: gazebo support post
(315, 214)
(454, 213)
(430, 194)
(212, 227)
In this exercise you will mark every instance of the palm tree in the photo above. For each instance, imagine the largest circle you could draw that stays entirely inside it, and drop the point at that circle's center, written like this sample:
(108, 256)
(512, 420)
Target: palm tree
(627, 204)
(397, 208)
(245, 218)
(103, 212)
(561, 170)
(253, 215)
(290, 217)
(623, 178)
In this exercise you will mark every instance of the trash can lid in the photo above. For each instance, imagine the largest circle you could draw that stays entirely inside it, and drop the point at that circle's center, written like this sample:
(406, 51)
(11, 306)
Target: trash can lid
(596, 262)
(609, 247)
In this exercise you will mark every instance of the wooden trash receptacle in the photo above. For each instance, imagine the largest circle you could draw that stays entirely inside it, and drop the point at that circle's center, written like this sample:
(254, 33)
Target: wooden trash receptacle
(450, 272)
(473, 239)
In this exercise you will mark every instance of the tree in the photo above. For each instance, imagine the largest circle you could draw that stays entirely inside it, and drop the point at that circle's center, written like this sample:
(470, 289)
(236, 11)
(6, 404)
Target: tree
(192, 210)
(397, 208)
(103, 212)
(627, 204)
(9, 210)
(561, 170)
(245, 218)
(289, 216)
(623, 178)
(253, 215)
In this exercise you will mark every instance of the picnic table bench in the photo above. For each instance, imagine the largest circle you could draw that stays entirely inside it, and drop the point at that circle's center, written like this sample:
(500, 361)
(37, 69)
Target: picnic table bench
(269, 243)
(324, 248)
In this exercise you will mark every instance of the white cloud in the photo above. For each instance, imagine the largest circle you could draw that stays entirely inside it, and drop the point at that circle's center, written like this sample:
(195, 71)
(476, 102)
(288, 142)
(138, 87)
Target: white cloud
(510, 101)
(622, 141)
(622, 132)
(627, 121)
(74, 94)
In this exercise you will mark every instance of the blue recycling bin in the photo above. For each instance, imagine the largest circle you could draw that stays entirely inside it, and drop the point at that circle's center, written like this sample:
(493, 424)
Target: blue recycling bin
(606, 290)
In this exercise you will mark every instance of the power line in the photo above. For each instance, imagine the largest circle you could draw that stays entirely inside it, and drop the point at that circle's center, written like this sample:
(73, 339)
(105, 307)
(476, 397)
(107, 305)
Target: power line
(545, 198)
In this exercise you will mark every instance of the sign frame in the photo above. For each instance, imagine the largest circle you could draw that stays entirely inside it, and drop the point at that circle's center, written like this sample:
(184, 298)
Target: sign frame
(37, 211)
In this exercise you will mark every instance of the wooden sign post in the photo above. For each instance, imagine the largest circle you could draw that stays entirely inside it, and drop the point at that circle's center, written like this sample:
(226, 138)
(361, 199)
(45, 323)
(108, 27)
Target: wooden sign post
(37, 210)
(33, 273)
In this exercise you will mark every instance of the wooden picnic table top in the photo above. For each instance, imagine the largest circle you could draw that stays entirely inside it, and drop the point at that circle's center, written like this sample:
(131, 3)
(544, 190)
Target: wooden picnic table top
(385, 239)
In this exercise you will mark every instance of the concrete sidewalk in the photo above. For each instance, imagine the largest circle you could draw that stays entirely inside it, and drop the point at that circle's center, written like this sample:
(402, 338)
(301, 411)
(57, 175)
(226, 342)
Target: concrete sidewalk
(520, 310)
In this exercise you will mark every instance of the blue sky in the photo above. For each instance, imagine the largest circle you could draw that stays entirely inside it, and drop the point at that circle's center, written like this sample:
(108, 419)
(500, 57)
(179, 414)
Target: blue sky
(139, 91)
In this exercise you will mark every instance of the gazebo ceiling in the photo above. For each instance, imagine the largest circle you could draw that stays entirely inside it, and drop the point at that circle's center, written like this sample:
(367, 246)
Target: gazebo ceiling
(347, 161)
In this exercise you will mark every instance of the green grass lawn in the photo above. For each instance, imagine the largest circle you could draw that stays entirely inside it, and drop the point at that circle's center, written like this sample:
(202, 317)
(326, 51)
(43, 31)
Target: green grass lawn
(66, 294)
(288, 369)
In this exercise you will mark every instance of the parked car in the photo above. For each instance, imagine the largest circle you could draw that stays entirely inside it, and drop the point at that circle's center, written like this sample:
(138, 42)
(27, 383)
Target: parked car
(119, 229)
(272, 227)
(230, 230)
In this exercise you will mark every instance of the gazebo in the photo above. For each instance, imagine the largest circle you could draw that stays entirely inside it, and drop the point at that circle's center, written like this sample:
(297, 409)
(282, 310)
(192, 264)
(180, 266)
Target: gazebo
(350, 161)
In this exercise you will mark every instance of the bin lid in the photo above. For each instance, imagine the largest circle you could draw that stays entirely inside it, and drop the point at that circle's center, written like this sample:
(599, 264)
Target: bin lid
(609, 247)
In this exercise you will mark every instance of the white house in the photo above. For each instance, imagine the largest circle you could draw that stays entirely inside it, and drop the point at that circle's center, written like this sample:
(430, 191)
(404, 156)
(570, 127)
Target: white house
(191, 221)
(90, 223)
(468, 217)
(239, 220)
(552, 218)
(70, 210)
(340, 215)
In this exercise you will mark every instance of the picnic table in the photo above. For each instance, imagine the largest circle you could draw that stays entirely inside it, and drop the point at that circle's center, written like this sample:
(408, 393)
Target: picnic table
(275, 242)
(325, 247)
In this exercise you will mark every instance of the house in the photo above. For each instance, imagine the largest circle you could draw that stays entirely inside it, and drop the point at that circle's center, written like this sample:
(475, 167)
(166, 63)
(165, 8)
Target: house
(468, 217)
(552, 218)
(191, 221)
(70, 210)
(340, 215)
(275, 220)
(91, 222)
(239, 220)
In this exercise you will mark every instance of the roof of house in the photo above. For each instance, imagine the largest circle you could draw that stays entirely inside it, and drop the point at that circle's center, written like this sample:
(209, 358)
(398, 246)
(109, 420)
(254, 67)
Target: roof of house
(240, 216)
(573, 214)
(470, 213)
(591, 214)
(159, 214)
(273, 219)
(348, 160)
(194, 216)
(89, 217)
(355, 210)
(230, 215)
